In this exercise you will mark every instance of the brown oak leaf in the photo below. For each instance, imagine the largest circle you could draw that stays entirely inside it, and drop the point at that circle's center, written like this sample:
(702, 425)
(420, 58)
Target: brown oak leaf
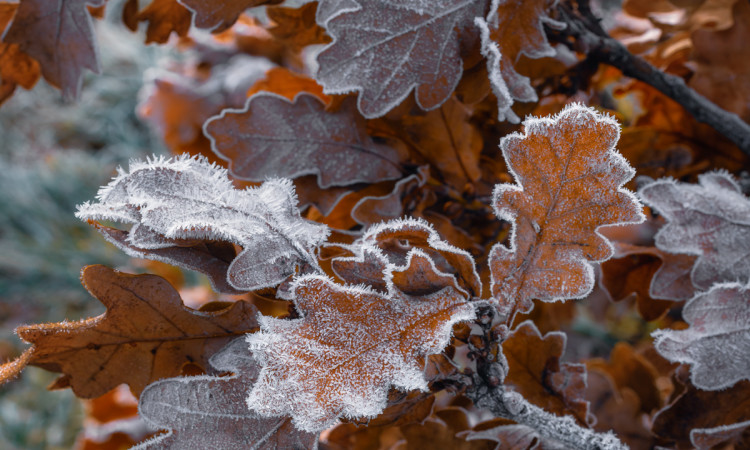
(145, 334)
(60, 36)
(218, 15)
(164, 17)
(210, 412)
(535, 371)
(296, 27)
(273, 137)
(384, 50)
(348, 348)
(568, 183)
(696, 412)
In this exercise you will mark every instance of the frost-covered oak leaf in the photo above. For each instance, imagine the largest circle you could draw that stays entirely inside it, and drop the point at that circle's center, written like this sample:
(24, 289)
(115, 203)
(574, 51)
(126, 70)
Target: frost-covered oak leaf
(710, 220)
(145, 334)
(218, 15)
(717, 343)
(569, 179)
(273, 137)
(388, 247)
(60, 35)
(384, 49)
(187, 202)
(348, 348)
(513, 29)
(210, 412)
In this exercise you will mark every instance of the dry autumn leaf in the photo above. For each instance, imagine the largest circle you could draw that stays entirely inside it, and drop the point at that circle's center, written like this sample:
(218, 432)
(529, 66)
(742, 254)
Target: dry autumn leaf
(218, 15)
(145, 334)
(717, 343)
(273, 137)
(535, 371)
(384, 50)
(348, 348)
(60, 36)
(296, 27)
(210, 412)
(164, 17)
(710, 220)
(568, 183)
(16, 67)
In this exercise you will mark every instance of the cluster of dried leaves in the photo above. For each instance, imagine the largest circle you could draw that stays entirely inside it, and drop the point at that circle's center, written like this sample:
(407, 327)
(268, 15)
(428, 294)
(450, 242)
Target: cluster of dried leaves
(390, 277)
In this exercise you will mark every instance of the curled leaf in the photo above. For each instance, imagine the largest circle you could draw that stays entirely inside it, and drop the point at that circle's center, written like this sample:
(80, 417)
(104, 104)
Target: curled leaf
(348, 348)
(179, 202)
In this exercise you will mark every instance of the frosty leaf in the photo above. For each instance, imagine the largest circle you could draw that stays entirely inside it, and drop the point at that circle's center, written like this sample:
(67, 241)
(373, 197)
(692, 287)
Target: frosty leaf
(60, 35)
(536, 372)
(330, 8)
(145, 334)
(272, 137)
(178, 202)
(710, 220)
(717, 343)
(386, 49)
(350, 346)
(210, 412)
(507, 434)
(445, 429)
(568, 183)
(390, 244)
(218, 15)
(517, 28)
(706, 438)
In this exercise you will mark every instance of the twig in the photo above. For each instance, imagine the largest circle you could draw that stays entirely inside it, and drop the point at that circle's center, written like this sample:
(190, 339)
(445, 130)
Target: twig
(593, 41)
(565, 430)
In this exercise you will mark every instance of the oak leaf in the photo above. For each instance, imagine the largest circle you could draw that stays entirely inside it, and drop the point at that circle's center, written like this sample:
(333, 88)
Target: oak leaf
(389, 246)
(272, 137)
(164, 17)
(60, 36)
(296, 27)
(145, 334)
(568, 183)
(372, 209)
(696, 414)
(218, 15)
(710, 220)
(535, 370)
(288, 84)
(178, 202)
(717, 343)
(210, 412)
(348, 348)
(384, 50)
(445, 430)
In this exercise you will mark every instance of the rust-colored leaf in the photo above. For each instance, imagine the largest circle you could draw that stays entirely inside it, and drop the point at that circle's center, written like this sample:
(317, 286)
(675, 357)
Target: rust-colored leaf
(283, 82)
(218, 15)
(535, 371)
(372, 209)
(348, 348)
(165, 17)
(146, 334)
(16, 67)
(60, 36)
(568, 184)
(444, 430)
(296, 27)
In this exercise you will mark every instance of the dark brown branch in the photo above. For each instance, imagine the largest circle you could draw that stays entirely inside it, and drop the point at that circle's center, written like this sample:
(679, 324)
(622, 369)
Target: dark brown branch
(591, 40)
